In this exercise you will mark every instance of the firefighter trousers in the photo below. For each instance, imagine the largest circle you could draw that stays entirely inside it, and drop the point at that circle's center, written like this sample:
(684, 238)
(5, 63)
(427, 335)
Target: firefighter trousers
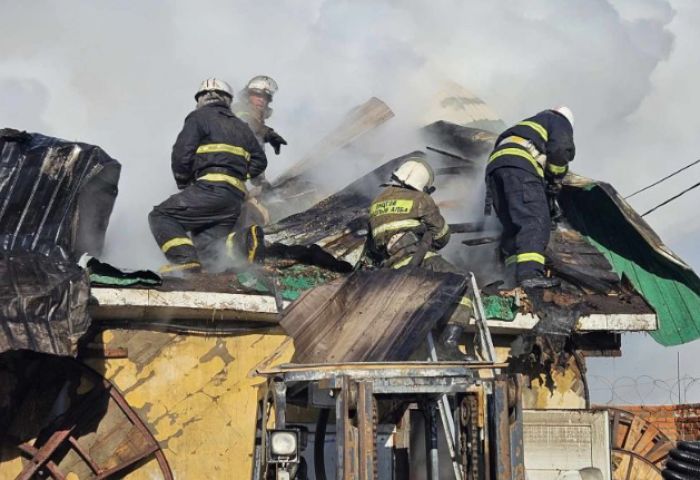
(520, 200)
(192, 225)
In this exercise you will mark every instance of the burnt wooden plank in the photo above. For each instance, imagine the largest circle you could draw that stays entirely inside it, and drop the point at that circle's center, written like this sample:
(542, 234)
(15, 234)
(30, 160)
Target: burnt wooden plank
(371, 316)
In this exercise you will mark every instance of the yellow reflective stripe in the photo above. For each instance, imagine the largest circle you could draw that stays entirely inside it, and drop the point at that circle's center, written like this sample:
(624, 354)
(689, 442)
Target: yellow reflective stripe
(530, 257)
(538, 128)
(443, 232)
(397, 225)
(525, 257)
(407, 260)
(222, 177)
(224, 148)
(176, 242)
(466, 301)
(518, 153)
(555, 169)
(229, 244)
(391, 206)
(177, 268)
(251, 252)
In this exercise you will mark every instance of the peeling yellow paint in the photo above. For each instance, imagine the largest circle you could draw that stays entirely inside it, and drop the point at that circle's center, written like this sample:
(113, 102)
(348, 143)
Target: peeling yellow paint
(9, 469)
(567, 391)
(195, 395)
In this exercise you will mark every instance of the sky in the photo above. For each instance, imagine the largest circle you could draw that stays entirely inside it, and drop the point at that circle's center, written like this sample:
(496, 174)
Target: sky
(122, 75)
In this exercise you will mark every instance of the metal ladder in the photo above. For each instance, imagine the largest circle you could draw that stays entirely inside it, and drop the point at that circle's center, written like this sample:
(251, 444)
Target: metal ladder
(488, 352)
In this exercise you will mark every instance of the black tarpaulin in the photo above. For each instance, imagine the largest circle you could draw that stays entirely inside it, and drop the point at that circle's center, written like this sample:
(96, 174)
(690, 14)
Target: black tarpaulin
(56, 197)
(43, 304)
(54, 193)
(370, 316)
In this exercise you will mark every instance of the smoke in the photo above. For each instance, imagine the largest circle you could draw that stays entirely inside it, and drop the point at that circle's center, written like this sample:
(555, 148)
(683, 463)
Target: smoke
(122, 75)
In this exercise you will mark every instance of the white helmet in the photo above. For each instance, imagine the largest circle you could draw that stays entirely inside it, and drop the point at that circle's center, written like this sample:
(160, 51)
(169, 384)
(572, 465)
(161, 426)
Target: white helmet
(416, 173)
(264, 85)
(214, 85)
(566, 112)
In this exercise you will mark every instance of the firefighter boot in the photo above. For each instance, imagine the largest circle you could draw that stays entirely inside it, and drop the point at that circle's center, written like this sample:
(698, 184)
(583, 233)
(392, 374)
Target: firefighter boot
(448, 345)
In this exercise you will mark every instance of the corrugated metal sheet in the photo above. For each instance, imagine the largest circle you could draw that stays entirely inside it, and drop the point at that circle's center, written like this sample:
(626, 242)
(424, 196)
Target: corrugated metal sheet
(454, 103)
(635, 251)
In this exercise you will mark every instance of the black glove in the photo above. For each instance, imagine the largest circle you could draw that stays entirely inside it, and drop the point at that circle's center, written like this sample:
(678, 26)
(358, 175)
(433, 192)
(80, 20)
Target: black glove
(182, 181)
(553, 189)
(275, 139)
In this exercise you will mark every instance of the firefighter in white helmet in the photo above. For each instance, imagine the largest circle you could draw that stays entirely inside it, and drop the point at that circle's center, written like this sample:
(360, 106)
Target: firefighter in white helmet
(213, 156)
(253, 108)
(523, 178)
(404, 220)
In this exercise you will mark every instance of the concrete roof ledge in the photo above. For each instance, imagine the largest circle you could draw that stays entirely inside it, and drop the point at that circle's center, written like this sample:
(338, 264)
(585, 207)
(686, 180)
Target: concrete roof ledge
(143, 304)
(148, 304)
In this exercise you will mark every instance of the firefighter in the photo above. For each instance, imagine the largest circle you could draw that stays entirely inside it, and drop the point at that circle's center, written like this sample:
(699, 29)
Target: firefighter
(523, 179)
(401, 218)
(253, 108)
(212, 157)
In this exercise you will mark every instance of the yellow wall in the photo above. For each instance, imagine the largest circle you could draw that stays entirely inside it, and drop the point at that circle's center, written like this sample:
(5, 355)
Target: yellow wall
(195, 394)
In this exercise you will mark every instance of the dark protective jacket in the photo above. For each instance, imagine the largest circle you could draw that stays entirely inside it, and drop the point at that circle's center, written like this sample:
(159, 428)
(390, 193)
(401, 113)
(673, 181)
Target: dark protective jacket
(550, 133)
(398, 211)
(214, 137)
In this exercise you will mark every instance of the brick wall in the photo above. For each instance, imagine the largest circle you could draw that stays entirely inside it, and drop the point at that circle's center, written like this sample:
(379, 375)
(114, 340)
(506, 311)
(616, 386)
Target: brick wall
(678, 422)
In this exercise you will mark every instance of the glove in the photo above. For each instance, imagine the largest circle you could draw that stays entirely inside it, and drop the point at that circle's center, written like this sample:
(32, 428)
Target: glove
(553, 189)
(182, 181)
(275, 139)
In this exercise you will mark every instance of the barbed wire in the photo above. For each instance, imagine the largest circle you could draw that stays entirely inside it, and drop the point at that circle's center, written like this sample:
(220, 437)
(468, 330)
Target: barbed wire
(644, 390)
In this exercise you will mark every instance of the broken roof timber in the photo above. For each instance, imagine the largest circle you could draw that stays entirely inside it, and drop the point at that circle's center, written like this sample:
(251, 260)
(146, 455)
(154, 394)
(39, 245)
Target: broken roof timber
(149, 304)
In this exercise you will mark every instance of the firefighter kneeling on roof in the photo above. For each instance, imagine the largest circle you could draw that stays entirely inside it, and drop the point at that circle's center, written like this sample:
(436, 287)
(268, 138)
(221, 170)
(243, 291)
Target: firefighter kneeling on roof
(405, 223)
(213, 156)
(523, 179)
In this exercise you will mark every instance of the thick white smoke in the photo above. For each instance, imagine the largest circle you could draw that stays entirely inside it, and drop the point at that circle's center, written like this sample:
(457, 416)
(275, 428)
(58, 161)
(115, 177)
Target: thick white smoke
(122, 74)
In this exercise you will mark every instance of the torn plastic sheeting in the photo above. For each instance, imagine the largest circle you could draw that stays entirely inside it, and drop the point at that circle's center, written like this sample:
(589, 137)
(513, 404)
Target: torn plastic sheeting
(54, 193)
(104, 274)
(43, 304)
(500, 308)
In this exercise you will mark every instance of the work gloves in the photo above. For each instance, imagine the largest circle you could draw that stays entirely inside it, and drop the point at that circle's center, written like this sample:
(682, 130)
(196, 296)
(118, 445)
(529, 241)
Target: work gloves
(182, 181)
(553, 188)
(274, 139)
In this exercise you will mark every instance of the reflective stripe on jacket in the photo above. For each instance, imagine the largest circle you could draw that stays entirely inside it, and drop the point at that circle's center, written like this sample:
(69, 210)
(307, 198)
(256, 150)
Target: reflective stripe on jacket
(214, 137)
(400, 210)
(551, 135)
